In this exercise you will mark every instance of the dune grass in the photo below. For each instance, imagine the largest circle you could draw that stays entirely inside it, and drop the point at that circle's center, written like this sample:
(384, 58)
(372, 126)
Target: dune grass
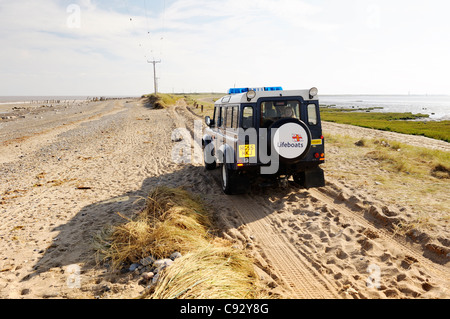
(403, 175)
(406, 123)
(214, 271)
(175, 220)
(160, 100)
(398, 157)
(409, 159)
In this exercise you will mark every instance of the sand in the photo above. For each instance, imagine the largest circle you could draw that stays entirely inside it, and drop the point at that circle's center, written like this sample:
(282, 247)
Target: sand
(66, 171)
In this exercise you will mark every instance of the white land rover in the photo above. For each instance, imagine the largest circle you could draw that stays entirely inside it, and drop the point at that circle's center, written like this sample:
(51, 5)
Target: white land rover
(265, 132)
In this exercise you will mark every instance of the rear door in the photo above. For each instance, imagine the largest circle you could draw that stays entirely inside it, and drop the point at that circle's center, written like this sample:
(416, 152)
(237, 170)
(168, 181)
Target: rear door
(311, 117)
(312, 120)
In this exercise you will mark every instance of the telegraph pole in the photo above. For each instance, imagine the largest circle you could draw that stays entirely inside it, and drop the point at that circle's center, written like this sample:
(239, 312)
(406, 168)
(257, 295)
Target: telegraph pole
(154, 74)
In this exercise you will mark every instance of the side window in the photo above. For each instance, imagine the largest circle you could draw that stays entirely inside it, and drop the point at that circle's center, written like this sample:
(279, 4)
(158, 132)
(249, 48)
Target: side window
(247, 117)
(235, 116)
(218, 117)
(312, 114)
(224, 117)
(229, 123)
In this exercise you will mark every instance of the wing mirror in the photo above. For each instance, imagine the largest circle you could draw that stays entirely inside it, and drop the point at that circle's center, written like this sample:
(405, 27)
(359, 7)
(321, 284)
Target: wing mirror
(209, 121)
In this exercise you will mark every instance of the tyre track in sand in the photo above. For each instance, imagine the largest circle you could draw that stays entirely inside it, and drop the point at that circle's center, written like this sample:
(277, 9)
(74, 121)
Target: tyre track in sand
(334, 201)
(285, 260)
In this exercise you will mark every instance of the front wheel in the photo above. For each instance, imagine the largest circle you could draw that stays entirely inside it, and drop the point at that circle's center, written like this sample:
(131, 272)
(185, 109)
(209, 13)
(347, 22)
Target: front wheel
(228, 180)
(232, 182)
(207, 157)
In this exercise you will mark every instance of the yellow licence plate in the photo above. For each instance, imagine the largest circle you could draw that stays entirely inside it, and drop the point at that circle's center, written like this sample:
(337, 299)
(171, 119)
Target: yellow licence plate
(247, 150)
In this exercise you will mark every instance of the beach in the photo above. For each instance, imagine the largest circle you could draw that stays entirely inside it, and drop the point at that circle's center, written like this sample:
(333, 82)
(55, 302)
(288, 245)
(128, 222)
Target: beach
(68, 170)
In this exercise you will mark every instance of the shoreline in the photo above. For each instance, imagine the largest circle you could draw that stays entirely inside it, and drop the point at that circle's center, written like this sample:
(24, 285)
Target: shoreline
(432, 117)
(399, 122)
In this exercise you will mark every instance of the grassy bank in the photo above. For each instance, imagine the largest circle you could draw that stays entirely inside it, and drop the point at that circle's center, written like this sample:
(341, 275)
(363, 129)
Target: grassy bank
(160, 100)
(406, 123)
(195, 101)
(399, 174)
(175, 220)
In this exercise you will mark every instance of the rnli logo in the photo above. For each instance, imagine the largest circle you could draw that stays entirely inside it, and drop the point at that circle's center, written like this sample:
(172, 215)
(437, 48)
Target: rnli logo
(297, 137)
(291, 140)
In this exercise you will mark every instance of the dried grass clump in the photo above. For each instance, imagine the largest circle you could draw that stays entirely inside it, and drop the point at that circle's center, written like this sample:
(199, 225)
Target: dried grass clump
(175, 220)
(212, 272)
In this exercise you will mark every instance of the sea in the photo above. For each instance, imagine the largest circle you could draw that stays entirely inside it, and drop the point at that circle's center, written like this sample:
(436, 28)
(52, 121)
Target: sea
(436, 106)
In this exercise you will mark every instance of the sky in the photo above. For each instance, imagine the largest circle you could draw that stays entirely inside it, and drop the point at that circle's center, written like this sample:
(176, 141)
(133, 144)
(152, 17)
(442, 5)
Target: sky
(102, 48)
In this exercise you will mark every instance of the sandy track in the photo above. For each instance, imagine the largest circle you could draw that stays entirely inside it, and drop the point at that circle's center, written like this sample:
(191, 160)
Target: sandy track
(323, 243)
(283, 258)
(63, 183)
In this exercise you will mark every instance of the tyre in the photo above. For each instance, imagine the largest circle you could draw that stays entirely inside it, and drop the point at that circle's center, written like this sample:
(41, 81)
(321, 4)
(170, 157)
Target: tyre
(312, 178)
(234, 183)
(228, 180)
(299, 178)
(207, 154)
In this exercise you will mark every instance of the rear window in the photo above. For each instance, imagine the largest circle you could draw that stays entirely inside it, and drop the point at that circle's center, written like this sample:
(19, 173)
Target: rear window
(312, 114)
(272, 111)
(247, 117)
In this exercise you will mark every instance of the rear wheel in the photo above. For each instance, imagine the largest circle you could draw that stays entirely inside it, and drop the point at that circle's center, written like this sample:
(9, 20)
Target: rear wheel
(299, 178)
(312, 178)
(234, 183)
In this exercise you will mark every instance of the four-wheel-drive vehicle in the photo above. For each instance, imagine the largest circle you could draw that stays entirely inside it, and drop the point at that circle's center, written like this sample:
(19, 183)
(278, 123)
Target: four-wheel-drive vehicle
(265, 132)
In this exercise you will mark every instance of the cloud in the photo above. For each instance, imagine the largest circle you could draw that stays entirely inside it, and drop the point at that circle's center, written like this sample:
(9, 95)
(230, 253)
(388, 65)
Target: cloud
(249, 42)
(39, 44)
(201, 42)
(347, 46)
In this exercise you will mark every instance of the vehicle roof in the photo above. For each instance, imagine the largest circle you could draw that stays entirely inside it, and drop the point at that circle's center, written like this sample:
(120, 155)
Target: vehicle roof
(242, 97)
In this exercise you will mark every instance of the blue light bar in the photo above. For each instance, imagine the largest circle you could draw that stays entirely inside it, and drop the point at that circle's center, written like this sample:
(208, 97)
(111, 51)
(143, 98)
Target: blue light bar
(237, 91)
(244, 90)
(273, 88)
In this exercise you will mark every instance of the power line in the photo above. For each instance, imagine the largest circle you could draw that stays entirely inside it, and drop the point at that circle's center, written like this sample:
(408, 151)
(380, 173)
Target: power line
(153, 46)
(148, 27)
(163, 28)
(134, 26)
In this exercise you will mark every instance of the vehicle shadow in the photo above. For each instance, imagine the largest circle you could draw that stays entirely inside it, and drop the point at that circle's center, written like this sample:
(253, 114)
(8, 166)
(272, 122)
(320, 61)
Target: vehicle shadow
(74, 243)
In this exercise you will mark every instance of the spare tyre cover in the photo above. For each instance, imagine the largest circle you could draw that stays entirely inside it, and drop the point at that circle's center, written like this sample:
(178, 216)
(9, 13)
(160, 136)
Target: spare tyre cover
(291, 140)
